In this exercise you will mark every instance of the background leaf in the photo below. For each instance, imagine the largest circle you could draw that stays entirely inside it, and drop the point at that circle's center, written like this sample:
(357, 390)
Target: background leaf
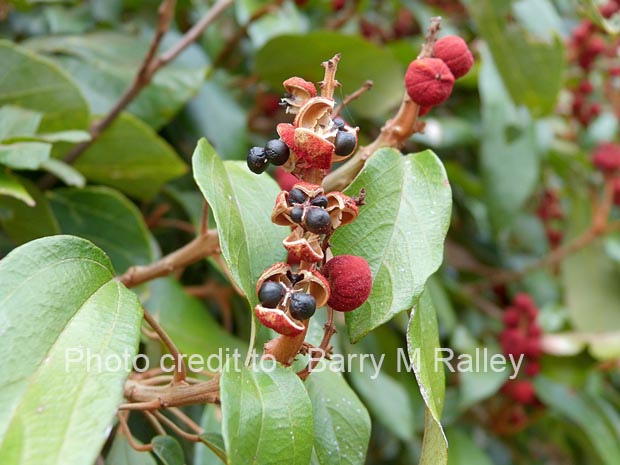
(168, 450)
(59, 295)
(121, 453)
(400, 232)
(10, 186)
(241, 203)
(266, 417)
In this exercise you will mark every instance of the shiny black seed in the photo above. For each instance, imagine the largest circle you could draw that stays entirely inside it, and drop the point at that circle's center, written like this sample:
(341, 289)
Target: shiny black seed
(318, 221)
(339, 123)
(320, 201)
(277, 152)
(296, 214)
(257, 160)
(302, 306)
(296, 196)
(270, 294)
(345, 143)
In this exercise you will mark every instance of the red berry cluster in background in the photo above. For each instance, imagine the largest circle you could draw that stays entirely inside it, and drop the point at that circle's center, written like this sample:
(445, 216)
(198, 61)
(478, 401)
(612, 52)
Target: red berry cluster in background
(606, 159)
(587, 45)
(551, 213)
(521, 336)
(430, 80)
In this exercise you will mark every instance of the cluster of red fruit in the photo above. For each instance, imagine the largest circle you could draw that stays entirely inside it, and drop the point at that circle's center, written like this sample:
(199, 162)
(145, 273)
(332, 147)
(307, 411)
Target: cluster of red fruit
(430, 80)
(521, 336)
(551, 213)
(606, 159)
(587, 44)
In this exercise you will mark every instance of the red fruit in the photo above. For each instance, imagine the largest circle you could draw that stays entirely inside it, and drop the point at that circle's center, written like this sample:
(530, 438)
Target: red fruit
(609, 9)
(338, 5)
(606, 157)
(522, 392)
(585, 87)
(555, 237)
(523, 301)
(350, 282)
(513, 342)
(534, 331)
(511, 317)
(582, 31)
(424, 111)
(455, 54)
(616, 187)
(285, 180)
(595, 110)
(532, 369)
(533, 348)
(596, 45)
(429, 81)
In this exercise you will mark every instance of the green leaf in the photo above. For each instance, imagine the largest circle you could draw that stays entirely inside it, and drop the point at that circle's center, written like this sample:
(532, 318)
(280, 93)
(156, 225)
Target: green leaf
(186, 320)
(15, 121)
(131, 157)
(60, 308)
(580, 410)
(121, 453)
(168, 450)
(516, 53)
(32, 82)
(24, 155)
(463, 449)
(23, 223)
(241, 203)
(215, 442)
(10, 185)
(63, 171)
(509, 160)
(302, 55)
(104, 64)
(266, 417)
(341, 421)
(434, 442)
(400, 231)
(106, 218)
(422, 342)
(591, 8)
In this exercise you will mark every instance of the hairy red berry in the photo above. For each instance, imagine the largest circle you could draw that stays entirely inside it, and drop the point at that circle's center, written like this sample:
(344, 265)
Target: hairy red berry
(532, 369)
(586, 87)
(523, 301)
(455, 54)
(429, 81)
(616, 187)
(513, 342)
(522, 392)
(606, 157)
(511, 317)
(350, 282)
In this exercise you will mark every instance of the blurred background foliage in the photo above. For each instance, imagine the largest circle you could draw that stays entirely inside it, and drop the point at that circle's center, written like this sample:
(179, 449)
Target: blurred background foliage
(510, 137)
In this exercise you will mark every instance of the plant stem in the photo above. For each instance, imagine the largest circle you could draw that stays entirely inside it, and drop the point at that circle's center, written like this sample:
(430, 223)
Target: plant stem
(180, 373)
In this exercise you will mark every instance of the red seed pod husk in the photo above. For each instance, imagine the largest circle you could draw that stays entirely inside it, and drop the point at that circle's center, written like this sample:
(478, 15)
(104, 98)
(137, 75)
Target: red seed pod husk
(285, 180)
(296, 84)
(455, 54)
(281, 322)
(350, 282)
(341, 208)
(429, 81)
(606, 157)
(303, 245)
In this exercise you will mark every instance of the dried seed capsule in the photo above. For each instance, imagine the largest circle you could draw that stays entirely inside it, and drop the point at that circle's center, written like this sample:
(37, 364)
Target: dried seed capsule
(302, 306)
(277, 152)
(270, 294)
(257, 160)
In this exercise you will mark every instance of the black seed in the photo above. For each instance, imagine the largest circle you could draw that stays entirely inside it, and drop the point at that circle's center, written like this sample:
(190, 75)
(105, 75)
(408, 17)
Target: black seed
(257, 160)
(320, 201)
(270, 294)
(318, 220)
(296, 214)
(277, 152)
(345, 143)
(302, 306)
(339, 123)
(296, 196)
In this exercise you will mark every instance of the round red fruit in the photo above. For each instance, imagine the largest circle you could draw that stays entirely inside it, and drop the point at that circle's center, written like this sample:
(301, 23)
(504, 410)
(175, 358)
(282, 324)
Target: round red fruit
(350, 281)
(429, 81)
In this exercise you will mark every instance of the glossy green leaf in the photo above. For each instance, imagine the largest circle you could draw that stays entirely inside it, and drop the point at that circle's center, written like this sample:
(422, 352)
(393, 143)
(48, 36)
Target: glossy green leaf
(215, 442)
(168, 450)
(434, 442)
(464, 450)
(121, 453)
(104, 64)
(509, 160)
(24, 155)
(187, 321)
(15, 121)
(131, 157)
(107, 219)
(32, 82)
(23, 223)
(580, 410)
(302, 55)
(516, 53)
(422, 343)
(400, 232)
(10, 186)
(211, 423)
(60, 307)
(341, 421)
(266, 417)
(63, 171)
(241, 203)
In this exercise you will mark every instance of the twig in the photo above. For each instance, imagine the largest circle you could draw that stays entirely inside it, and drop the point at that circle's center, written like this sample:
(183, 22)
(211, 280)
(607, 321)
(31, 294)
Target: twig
(150, 65)
(152, 419)
(180, 372)
(330, 329)
(329, 82)
(174, 427)
(204, 219)
(122, 422)
(198, 249)
(393, 134)
(177, 412)
(349, 98)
